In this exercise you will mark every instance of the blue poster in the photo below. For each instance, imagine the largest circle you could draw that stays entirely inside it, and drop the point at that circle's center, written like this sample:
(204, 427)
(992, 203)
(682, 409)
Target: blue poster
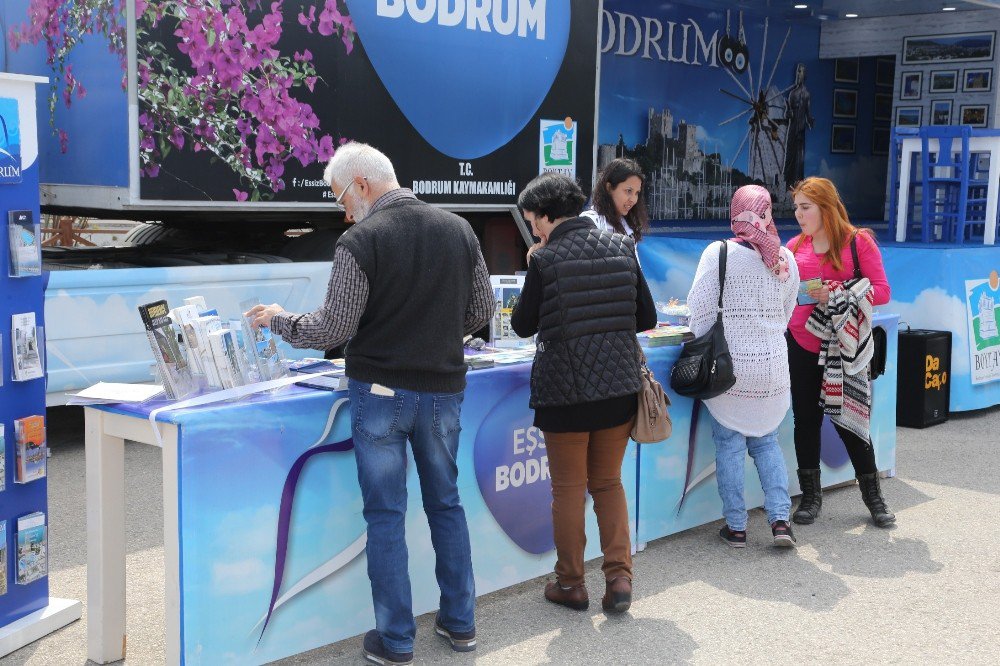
(10, 143)
(707, 100)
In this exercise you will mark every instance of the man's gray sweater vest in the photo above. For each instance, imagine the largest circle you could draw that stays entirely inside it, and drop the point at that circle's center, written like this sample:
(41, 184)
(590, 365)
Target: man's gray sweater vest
(420, 263)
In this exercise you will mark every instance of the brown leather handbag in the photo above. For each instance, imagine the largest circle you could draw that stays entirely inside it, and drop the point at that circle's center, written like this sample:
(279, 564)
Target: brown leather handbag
(652, 420)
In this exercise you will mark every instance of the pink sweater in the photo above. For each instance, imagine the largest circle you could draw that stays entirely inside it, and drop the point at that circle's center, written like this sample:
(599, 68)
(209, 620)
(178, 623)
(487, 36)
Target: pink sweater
(810, 266)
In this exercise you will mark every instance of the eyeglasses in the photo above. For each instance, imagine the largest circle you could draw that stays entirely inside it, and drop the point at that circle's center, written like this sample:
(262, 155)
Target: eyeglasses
(337, 198)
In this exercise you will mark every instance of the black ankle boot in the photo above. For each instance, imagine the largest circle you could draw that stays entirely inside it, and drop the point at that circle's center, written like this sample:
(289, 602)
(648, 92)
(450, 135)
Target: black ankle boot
(871, 493)
(812, 497)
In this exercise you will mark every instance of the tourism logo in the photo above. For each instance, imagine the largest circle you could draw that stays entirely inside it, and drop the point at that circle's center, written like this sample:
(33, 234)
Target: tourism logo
(982, 299)
(468, 76)
(10, 143)
(557, 147)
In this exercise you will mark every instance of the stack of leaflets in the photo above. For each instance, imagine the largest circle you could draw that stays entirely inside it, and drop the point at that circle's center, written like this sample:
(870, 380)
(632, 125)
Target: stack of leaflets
(333, 380)
(262, 350)
(506, 292)
(665, 335)
(3, 557)
(25, 245)
(26, 347)
(32, 548)
(3, 461)
(171, 362)
(29, 443)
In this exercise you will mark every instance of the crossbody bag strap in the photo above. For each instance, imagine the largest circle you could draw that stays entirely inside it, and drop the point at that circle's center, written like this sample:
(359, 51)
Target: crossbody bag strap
(854, 256)
(723, 251)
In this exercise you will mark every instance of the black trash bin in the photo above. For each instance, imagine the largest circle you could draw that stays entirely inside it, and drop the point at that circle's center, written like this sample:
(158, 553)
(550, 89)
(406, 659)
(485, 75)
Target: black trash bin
(924, 378)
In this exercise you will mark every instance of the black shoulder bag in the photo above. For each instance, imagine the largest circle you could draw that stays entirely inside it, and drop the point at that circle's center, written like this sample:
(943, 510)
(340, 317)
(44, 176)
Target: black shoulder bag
(705, 368)
(879, 342)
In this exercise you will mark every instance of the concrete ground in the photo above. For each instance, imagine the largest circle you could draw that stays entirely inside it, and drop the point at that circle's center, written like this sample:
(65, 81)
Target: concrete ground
(924, 591)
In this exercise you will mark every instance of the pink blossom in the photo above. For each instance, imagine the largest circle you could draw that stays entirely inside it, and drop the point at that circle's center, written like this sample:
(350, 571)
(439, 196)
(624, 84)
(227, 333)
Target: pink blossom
(240, 194)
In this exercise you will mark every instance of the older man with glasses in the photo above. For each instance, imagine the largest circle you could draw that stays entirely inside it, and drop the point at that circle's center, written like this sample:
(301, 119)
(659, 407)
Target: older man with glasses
(408, 282)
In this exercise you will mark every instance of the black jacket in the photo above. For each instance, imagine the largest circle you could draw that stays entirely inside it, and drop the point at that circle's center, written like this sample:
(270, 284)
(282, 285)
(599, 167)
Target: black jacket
(582, 294)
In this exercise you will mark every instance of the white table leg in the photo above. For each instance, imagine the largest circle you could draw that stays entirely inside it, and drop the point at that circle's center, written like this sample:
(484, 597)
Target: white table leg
(904, 193)
(992, 187)
(171, 545)
(105, 464)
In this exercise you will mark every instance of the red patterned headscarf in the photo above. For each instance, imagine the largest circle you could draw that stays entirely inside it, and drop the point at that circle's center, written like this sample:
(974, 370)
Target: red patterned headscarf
(750, 215)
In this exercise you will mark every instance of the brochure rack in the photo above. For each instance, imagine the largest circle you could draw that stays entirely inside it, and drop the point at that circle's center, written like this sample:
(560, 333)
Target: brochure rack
(26, 611)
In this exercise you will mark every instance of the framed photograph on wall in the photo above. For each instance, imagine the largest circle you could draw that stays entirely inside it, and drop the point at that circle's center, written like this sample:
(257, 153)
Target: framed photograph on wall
(945, 80)
(845, 103)
(845, 70)
(958, 47)
(910, 84)
(974, 114)
(941, 112)
(883, 106)
(842, 139)
(885, 71)
(908, 116)
(880, 141)
(977, 80)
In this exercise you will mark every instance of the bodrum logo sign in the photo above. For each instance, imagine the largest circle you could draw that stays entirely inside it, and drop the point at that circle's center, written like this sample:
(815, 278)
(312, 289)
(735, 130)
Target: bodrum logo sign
(468, 74)
(10, 143)
(512, 470)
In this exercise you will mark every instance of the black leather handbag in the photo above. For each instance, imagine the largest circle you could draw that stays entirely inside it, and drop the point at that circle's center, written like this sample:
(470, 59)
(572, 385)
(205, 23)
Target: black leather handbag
(705, 368)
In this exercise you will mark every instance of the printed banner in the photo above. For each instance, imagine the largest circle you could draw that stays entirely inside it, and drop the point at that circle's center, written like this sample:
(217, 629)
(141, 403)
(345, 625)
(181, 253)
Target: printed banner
(10, 142)
(982, 298)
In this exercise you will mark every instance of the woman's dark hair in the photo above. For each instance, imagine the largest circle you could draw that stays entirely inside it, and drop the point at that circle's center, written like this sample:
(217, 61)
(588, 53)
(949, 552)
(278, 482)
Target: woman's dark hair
(612, 175)
(552, 195)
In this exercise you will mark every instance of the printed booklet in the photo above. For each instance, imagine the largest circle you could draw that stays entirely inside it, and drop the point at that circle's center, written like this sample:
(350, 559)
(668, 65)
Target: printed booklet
(26, 347)
(805, 286)
(3, 557)
(261, 345)
(29, 436)
(25, 244)
(32, 548)
(506, 292)
(171, 362)
(3, 460)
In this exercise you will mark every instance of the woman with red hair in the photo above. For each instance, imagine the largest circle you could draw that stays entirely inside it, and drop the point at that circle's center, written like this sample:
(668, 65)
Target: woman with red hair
(829, 364)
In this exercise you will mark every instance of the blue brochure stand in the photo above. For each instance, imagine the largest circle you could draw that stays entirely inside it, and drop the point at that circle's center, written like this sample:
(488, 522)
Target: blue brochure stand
(26, 611)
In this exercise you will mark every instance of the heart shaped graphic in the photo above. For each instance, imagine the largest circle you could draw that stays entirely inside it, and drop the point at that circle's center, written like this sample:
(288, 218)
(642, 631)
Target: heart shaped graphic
(512, 472)
(466, 91)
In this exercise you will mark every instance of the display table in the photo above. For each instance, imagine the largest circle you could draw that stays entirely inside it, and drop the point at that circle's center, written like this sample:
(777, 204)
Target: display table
(225, 467)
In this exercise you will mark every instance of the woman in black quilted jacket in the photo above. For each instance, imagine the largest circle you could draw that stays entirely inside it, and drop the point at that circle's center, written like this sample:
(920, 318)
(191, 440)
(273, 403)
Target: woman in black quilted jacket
(585, 297)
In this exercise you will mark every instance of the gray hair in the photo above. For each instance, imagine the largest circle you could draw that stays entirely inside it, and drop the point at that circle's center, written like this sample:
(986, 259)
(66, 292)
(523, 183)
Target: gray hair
(359, 159)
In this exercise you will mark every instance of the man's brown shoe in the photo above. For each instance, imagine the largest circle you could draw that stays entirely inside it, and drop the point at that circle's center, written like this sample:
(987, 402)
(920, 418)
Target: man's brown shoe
(618, 596)
(574, 597)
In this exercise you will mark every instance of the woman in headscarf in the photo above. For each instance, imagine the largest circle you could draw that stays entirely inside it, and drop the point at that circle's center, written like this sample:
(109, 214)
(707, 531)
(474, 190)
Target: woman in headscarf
(761, 283)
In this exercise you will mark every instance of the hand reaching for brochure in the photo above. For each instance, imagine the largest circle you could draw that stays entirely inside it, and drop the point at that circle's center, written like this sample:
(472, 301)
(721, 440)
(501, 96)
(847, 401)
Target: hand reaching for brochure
(822, 294)
(260, 315)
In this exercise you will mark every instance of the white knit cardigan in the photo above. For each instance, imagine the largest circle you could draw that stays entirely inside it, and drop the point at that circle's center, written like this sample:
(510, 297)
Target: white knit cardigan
(756, 307)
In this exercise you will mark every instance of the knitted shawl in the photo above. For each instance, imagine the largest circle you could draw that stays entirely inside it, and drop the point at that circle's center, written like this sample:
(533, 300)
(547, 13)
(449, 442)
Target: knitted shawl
(845, 327)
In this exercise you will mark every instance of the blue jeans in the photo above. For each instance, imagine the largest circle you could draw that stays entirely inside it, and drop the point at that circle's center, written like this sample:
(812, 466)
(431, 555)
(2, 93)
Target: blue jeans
(731, 448)
(381, 426)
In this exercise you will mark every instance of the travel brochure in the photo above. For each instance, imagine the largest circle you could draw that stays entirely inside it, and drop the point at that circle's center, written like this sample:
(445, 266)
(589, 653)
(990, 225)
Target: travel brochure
(26, 347)
(805, 286)
(25, 244)
(30, 449)
(506, 292)
(3, 557)
(32, 548)
(195, 349)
